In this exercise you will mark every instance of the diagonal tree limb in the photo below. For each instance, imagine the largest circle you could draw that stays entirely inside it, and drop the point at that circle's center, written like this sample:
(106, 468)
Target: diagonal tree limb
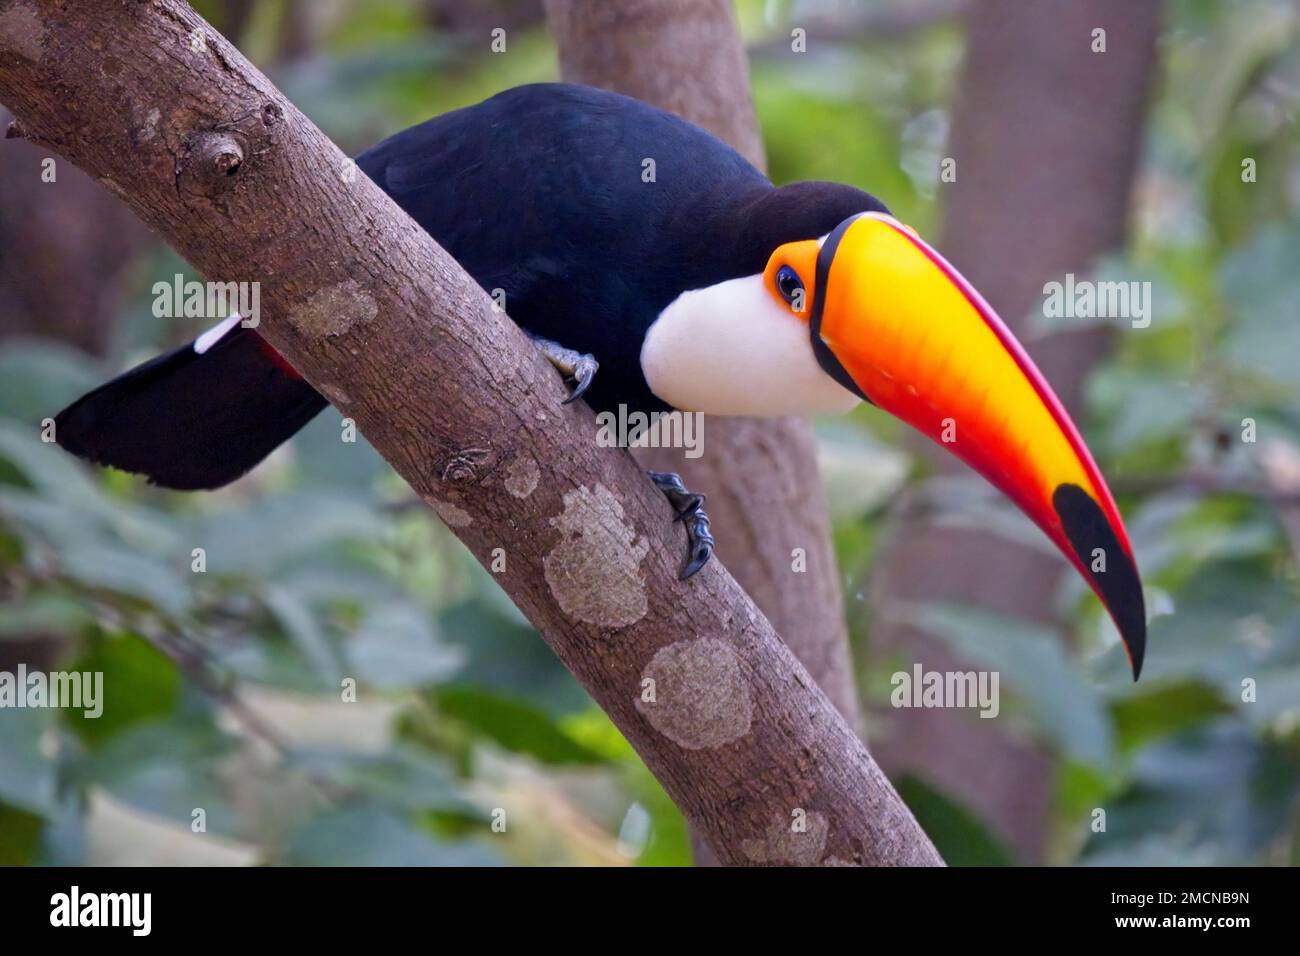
(148, 98)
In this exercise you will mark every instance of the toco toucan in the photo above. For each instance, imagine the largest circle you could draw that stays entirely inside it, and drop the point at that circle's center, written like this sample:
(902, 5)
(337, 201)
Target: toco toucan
(699, 286)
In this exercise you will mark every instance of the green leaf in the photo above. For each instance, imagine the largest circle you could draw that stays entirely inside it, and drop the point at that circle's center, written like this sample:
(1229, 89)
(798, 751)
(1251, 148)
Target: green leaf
(1145, 405)
(396, 648)
(860, 472)
(958, 835)
(373, 835)
(402, 778)
(38, 378)
(47, 467)
(1166, 709)
(1062, 705)
(255, 541)
(1258, 285)
(108, 568)
(167, 768)
(44, 613)
(300, 625)
(1214, 793)
(324, 459)
(514, 725)
(27, 773)
(20, 835)
(140, 683)
(510, 659)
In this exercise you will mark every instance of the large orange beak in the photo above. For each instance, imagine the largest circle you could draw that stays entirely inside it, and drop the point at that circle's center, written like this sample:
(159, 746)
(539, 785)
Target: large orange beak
(893, 320)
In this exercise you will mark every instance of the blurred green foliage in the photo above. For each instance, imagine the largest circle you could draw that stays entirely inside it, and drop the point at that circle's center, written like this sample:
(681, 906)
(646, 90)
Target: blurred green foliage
(226, 688)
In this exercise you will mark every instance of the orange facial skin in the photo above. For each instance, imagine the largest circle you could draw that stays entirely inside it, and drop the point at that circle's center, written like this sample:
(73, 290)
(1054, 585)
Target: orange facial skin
(802, 257)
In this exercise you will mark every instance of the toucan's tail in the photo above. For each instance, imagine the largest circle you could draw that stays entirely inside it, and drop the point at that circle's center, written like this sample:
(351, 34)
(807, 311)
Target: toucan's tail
(198, 417)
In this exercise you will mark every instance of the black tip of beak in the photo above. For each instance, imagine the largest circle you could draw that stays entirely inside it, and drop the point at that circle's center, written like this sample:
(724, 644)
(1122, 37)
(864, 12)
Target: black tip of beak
(1107, 564)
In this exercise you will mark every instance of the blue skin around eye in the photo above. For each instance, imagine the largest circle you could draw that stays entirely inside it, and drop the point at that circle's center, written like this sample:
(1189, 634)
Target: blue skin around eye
(788, 282)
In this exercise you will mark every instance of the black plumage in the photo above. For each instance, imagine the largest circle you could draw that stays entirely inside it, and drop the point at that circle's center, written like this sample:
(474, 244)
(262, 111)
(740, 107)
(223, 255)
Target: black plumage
(539, 191)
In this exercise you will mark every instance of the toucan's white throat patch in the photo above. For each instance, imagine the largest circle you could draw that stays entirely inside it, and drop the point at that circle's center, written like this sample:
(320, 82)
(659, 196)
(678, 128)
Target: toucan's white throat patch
(732, 349)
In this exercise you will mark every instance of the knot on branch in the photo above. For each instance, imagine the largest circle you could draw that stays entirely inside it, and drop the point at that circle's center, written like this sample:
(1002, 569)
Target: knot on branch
(463, 465)
(212, 161)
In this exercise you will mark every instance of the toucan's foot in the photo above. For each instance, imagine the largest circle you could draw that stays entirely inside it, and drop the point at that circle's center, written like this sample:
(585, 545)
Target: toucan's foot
(690, 511)
(578, 368)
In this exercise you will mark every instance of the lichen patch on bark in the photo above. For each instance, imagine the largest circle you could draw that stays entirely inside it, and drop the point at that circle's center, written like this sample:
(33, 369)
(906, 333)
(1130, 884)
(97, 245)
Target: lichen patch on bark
(701, 697)
(786, 843)
(21, 31)
(453, 516)
(149, 125)
(522, 476)
(595, 569)
(334, 310)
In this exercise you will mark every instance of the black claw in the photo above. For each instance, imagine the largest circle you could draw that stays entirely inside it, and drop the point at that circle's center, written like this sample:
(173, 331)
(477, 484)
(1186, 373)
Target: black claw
(582, 375)
(700, 554)
(577, 368)
(689, 508)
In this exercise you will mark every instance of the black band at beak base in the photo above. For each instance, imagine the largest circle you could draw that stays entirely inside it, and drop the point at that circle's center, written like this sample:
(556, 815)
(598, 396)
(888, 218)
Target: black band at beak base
(825, 357)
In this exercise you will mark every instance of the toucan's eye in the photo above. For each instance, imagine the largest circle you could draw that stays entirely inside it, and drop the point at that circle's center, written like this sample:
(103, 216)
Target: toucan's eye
(789, 285)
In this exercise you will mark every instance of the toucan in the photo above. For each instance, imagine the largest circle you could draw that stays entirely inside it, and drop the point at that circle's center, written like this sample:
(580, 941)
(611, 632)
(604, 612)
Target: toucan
(658, 270)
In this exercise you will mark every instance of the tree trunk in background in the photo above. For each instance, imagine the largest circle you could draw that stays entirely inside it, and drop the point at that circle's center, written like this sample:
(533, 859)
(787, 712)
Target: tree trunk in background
(480, 17)
(1046, 136)
(296, 33)
(235, 16)
(684, 56)
(381, 320)
(761, 477)
(65, 249)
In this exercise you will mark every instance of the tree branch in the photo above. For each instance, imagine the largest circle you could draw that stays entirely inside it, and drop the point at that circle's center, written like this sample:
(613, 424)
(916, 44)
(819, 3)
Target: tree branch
(378, 318)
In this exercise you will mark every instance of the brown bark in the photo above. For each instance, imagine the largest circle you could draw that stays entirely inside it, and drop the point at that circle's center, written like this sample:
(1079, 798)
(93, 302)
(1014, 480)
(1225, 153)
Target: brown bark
(378, 317)
(765, 494)
(480, 17)
(683, 56)
(1046, 137)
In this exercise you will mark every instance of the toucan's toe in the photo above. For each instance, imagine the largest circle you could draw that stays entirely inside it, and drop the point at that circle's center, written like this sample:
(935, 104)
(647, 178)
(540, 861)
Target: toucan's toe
(583, 373)
(689, 509)
(701, 551)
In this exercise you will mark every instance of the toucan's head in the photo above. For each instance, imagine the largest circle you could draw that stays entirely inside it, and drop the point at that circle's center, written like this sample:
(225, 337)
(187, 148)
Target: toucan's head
(870, 311)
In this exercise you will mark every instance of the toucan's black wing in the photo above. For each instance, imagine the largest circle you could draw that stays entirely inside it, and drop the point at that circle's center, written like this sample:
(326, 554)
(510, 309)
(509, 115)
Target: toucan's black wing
(564, 197)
